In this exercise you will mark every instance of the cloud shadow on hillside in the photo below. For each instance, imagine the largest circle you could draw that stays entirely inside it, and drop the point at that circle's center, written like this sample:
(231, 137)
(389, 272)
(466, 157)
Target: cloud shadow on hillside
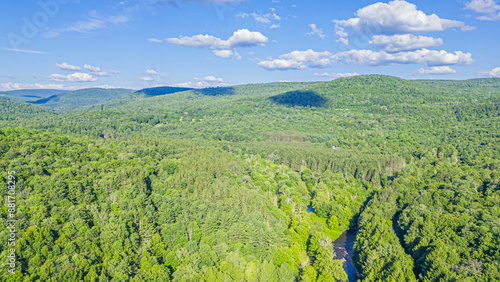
(216, 91)
(300, 98)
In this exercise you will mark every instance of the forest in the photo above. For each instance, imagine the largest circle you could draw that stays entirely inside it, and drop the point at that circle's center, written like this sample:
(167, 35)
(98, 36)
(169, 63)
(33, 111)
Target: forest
(253, 182)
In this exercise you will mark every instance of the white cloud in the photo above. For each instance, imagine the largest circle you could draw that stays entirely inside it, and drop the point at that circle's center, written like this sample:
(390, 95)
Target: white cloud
(482, 6)
(210, 78)
(317, 31)
(91, 68)
(207, 81)
(403, 42)
(343, 40)
(314, 59)
(302, 59)
(240, 38)
(115, 71)
(395, 17)
(100, 73)
(281, 64)
(227, 54)
(261, 18)
(437, 70)
(66, 66)
(106, 87)
(275, 26)
(336, 75)
(298, 60)
(155, 40)
(151, 72)
(488, 7)
(74, 77)
(95, 70)
(494, 72)
(430, 57)
(24, 51)
(17, 86)
(146, 78)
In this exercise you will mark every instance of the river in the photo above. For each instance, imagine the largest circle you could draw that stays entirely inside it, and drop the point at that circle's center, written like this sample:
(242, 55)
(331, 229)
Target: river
(344, 250)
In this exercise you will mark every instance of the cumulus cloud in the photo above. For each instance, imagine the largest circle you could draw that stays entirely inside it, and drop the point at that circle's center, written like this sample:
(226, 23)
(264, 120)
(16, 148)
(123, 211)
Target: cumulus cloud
(17, 86)
(240, 38)
(298, 60)
(403, 42)
(430, 57)
(210, 78)
(207, 81)
(336, 75)
(74, 77)
(91, 68)
(281, 64)
(302, 59)
(146, 78)
(260, 18)
(227, 54)
(151, 72)
(437, 70)
(66, 66)
(492, 73)
(314, 59)
(95, 70)
(317, 31)
(489, 8)
(115, 71)
(395, 17)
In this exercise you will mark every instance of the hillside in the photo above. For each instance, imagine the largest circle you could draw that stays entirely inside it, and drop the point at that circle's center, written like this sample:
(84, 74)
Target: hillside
(254, 182)
(136, 96)
(155, 91)
(73, 100)
(29, 95)
(12, 110)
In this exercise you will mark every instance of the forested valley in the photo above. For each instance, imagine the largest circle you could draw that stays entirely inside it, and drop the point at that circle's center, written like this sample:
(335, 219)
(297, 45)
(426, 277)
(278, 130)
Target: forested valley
(254, 182)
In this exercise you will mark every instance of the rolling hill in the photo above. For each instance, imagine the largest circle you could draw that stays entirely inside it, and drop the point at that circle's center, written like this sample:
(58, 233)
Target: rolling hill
(256, 182)
(12, 110)
(29, 95)
(74, 100)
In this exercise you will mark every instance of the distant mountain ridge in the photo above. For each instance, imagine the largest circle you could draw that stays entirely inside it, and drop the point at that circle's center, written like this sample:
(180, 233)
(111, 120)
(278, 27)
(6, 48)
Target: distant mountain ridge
(70, 101)
(27, 95)
(379, 90)
(162, 90)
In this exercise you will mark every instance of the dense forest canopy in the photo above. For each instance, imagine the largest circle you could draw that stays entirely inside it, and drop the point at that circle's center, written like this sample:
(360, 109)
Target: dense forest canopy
(174, 184)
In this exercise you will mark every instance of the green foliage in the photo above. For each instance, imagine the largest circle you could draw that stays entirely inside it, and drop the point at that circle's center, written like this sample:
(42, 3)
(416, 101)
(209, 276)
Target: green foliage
(12, 110)
(213, 184)
(75, 100)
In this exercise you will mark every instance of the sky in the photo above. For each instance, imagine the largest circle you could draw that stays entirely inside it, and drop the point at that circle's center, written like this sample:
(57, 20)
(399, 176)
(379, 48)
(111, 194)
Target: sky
(74, 44)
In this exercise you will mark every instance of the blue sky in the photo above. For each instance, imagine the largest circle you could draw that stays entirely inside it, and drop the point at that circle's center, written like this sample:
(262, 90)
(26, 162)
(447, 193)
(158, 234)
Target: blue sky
(69, 44)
